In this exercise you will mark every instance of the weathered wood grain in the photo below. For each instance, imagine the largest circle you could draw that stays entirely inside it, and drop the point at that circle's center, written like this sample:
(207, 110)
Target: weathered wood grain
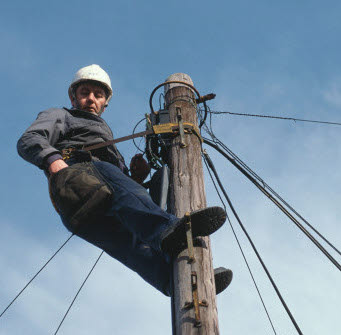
(187, 193)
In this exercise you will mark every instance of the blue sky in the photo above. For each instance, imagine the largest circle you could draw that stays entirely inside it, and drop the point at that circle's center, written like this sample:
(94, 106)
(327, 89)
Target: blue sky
(278, 58)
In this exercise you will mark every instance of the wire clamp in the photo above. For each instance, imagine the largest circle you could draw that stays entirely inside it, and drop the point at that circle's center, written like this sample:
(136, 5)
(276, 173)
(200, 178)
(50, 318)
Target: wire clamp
(204, 98)
(181, 128)
(189, 236)
(148, 122)
(195, 303)
(67, 153)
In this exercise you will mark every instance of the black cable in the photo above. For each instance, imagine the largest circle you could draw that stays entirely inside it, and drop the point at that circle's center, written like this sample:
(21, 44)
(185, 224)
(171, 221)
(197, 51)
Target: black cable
(253, 246)
(139, 145)
(138, 148)
(74, 299)
(277, 117)
(235, 157)
(285, 203)
(237, 240)
(17, 296)
(167, 83)
(205, 115)
(155, 161)
(213, 181)
(182, 83)
(277, 203)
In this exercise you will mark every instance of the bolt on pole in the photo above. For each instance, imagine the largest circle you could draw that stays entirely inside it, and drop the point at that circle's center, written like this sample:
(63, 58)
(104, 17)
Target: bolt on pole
(194, 300)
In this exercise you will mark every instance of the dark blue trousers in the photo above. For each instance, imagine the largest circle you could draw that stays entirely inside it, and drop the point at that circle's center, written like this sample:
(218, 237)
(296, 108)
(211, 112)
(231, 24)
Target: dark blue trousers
(132, 228)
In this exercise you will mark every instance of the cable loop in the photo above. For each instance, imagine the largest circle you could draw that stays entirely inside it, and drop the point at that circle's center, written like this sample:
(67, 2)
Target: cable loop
(166, 83)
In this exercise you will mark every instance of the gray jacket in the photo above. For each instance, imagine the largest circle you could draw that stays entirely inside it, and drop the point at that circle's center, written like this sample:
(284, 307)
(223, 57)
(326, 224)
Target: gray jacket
(60, 128)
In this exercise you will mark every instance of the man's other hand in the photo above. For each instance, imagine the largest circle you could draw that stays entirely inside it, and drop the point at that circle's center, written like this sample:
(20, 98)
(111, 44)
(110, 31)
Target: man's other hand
(57, 165)
(139, 168)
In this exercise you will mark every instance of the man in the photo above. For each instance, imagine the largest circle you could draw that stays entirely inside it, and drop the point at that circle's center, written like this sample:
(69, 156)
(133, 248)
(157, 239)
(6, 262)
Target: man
(93, 192)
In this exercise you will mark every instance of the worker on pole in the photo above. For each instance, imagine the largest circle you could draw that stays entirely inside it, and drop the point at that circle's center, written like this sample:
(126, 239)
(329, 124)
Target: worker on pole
(93, 192)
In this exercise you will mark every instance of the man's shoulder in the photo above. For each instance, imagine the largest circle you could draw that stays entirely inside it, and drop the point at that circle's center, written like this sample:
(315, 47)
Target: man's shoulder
(54, 111)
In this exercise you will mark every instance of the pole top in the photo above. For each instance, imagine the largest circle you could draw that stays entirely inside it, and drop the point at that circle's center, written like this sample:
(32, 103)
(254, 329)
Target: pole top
(178, 77)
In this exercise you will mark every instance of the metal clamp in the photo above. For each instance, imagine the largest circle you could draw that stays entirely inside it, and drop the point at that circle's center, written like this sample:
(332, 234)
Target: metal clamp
(181, 128)
(189, 237)
(67, 153)
(195, 303)
(148, 122)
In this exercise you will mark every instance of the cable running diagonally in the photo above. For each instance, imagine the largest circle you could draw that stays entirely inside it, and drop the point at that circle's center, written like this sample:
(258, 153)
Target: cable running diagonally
(210, 163)
(239, 245)
(17, 296)
(247, 168)
(75, 297)
(212, 179)
(277, 203)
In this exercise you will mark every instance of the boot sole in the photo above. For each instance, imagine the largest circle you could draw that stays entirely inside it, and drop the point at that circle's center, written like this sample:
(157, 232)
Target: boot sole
(222, 278)
(204, 222)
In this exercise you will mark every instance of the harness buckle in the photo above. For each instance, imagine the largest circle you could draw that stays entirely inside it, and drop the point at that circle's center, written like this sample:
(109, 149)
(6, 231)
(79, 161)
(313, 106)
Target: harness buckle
(67, 153)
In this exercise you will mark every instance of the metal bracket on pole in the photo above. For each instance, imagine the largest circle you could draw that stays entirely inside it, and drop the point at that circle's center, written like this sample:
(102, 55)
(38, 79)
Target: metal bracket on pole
(148, 122)
(189, 237)
(181, 128)
(195, 303)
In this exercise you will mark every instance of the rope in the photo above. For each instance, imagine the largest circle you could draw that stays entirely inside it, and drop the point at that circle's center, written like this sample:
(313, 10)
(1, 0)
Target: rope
(17, 296)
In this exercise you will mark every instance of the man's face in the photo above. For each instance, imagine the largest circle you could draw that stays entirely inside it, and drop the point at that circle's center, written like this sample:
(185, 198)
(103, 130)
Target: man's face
(90, 97)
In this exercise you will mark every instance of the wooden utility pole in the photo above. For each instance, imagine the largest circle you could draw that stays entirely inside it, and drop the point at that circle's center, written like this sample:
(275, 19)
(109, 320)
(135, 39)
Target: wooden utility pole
(194, 295)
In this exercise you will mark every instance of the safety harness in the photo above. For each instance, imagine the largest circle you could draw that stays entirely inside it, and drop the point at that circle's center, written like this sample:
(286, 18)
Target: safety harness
(175, 129)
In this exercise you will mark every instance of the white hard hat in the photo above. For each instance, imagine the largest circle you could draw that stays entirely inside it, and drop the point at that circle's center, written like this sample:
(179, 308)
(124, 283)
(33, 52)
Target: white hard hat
(92, 72)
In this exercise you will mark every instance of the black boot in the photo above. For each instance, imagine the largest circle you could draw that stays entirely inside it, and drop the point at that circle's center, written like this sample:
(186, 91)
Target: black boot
(204, 222)
(222, 278)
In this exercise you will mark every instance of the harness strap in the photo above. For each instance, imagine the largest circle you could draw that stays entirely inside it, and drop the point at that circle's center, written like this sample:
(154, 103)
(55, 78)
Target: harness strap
(165, 128)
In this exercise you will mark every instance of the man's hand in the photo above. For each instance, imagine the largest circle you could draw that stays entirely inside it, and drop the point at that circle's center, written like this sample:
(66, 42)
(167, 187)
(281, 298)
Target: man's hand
(57, 165)
(139, 168)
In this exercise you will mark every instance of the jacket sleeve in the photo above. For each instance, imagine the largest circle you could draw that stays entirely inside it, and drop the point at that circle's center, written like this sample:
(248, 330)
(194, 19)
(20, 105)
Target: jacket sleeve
(38, 142)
